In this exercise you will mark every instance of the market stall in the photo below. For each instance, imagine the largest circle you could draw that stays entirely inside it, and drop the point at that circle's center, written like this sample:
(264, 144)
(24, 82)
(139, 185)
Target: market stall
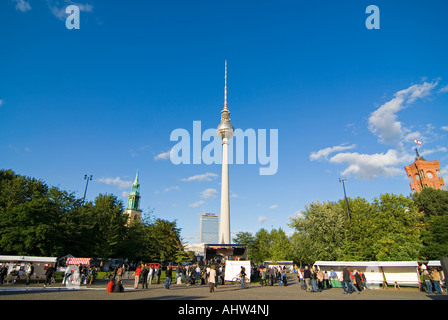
(16, 266)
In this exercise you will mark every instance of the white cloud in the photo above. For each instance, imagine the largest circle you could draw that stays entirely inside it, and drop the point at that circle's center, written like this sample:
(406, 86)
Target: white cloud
(58, 8)
(430, 151)
(384, 124)
(371, 166)
(274, 206)
(262, 219)
(209, 193)
(22, 5)
(383, 121)
(444, 128)
(201, 177)
(444, 89)
(116, 182)
(163, 156)
(324, 153)
(196, 204)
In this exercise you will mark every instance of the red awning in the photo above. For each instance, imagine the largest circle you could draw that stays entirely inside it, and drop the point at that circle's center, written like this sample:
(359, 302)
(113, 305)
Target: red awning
(78, 261)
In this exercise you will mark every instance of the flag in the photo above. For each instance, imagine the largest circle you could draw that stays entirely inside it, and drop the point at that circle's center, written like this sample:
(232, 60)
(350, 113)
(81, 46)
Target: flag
(417, 142)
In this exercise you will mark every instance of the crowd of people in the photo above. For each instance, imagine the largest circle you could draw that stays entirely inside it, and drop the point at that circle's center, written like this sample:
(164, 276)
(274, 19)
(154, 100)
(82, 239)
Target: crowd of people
(194, 274)
(312, 279)
(432, 278)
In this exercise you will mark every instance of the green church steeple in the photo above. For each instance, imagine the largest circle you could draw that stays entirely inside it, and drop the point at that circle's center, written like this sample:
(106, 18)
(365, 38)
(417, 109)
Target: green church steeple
(134, 196)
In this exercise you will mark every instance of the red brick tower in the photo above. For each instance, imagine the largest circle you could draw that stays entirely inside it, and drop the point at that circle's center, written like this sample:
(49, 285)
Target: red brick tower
(424, 174)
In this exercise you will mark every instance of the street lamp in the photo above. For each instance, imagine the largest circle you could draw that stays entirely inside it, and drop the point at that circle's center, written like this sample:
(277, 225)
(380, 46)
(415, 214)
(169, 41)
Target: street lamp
(87, 183)
(346, 202)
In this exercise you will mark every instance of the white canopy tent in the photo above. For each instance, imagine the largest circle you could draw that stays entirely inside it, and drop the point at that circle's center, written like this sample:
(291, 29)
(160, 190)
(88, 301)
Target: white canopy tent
(17, 264)
(377, 272)
(275, 264)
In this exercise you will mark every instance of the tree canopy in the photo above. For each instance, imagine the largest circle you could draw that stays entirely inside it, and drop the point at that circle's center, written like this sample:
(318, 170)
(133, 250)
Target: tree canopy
(36, 219)
(390, 228)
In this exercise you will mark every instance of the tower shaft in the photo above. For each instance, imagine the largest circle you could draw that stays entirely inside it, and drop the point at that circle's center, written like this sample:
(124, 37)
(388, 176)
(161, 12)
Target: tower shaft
(224, 224)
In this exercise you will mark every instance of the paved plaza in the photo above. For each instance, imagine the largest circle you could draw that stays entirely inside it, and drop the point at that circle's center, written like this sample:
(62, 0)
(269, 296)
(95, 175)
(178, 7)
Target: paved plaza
(182, 292)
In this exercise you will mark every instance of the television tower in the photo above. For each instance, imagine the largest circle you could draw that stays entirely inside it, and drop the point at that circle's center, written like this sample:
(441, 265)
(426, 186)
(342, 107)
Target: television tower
(225, 132)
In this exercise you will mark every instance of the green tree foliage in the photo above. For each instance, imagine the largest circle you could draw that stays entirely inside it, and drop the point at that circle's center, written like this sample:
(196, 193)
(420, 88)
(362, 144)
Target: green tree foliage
(320, 230)
(395, 228)
(433, 206)
(42, 221)
(386, 229)
(265, 245)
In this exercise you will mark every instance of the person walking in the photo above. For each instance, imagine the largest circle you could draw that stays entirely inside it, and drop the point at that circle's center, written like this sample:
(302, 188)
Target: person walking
(243, 277)
(346, 280)
(435, 277)
(358, 280)
(178, 273)
(150, 274)
(3, 273)
(168, 277)
(92, 274)
(29, 272)
(271, 276)
(427, 279)
(157, 274)
(263, 277)
(320, 280)
(307, 278)
(138, 270)
(119, 274)
(353, 282)
(314, 280)
(144, 276)
(49, 275)
(212, 278)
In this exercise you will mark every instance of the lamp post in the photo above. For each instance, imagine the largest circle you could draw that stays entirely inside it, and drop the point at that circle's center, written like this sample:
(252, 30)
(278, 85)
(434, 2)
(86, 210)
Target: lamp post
(346, 202)
(87, 183)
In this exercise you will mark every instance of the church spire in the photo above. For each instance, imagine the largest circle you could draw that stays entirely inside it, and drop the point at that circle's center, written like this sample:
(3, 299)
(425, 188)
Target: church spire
(136, 186)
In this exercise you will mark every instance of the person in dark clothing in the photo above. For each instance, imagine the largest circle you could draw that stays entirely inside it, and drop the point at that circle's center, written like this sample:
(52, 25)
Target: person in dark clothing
(144, 276)
(271, 277)
(358, 280)
(49, 274)
(168, 276)
(118, 287)
(347, 279)
(3, 273)
(307, 278)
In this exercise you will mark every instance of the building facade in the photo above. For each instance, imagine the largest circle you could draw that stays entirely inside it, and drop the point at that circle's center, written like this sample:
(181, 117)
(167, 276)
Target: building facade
(424, 174)
(209, 228)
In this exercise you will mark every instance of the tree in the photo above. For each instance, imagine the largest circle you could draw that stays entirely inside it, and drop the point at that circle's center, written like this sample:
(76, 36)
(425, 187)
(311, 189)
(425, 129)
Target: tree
(110, 223)
(38, 220)
(395, 228)
(431, 202)
(320, 232)
(262, 244)
(433, 206)
(165, 236)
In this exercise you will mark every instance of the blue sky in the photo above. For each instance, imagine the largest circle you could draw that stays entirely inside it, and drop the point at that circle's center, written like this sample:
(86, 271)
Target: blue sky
(104, 99)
